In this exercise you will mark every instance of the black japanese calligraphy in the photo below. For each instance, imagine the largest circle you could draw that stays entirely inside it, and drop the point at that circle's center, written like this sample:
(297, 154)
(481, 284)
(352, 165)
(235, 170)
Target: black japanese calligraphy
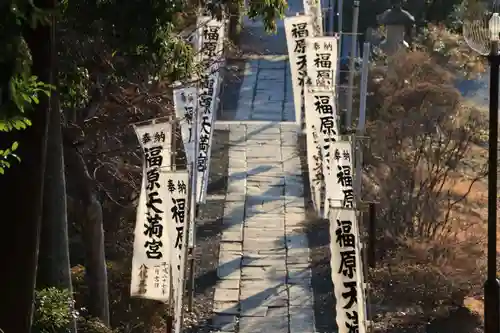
(348, 201)
(328, 46)
(153, 200)
(300, 47)
(206, 94)
(315, 135)
(353, 326)
(210, 49)
(324, 78)
(347, 263)
(299, 30)
(154, 226)
(299, 33)
(346, 155)
(146, 138)
(323, 104)
(211, 38)
(154, 247)
(159, 137)
(344, 176)
(170, 186)
(323, 60)
(143, 276)
(156, 278)
(323, 65)
(337, 155)
(206, 125)
(318, 168)
(211, 33)
(205, 103)
(301, 63)
(344, 235)
(181, 187)
(203, 144)
(153, 156)
(152, 178)
(178, 210)
(164, 280)
(350, 295)
(202, 163)
(328, 126)
(178, 239)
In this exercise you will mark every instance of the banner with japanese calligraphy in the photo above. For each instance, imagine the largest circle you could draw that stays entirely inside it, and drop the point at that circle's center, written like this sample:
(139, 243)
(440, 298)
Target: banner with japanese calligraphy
(347, 271)
(211, 43)
(151, 277)
(313, 8)
(314, 150)
(322, 131)
(297, 29)
(185, 100)
(322, 55)
(340, 188)
(176, 205)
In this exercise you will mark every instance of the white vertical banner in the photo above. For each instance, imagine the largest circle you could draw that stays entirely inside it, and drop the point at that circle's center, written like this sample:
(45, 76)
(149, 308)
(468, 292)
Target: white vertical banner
(185, 100)
(327, 128)
(314, 149)
(151, 270)
(211, 35)
(176, 205)
(322, 131)
(341, 186)
(347, 271)
(297, 29)
(313, 8)
(322, 56)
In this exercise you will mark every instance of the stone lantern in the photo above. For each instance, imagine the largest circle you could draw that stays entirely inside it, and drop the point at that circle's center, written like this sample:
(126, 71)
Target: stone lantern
(398, 23)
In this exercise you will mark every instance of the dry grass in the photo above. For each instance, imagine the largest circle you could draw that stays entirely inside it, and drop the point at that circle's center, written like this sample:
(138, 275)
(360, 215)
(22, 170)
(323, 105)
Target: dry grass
(425, 281)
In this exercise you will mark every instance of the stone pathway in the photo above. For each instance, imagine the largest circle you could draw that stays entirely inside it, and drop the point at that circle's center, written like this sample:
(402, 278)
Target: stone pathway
(266, 92)
(264, 275)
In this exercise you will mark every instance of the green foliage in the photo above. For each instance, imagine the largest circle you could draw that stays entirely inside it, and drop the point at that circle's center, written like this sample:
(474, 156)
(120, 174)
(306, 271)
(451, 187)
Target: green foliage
(19, 90)
(105, 43)
(54, 310)
(7, 155)
(269, 11)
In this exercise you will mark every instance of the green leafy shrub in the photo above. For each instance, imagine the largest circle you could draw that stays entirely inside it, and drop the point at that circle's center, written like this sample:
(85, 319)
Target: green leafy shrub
(54, 310)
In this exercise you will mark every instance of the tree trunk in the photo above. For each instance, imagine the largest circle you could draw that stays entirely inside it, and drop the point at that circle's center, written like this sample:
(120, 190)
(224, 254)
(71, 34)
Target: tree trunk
(22, 193)
(235, 21)
(95, 261)
(93, 236)
(53, 261)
